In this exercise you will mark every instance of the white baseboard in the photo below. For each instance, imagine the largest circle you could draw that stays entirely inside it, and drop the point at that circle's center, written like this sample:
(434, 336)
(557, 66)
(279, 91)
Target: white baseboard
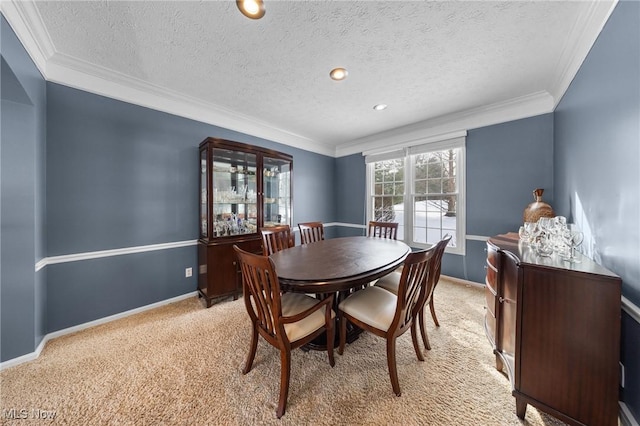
(35, 354)
(463, 281)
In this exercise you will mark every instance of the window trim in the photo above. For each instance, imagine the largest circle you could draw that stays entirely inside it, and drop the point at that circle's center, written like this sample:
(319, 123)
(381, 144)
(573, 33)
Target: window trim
(406, 153)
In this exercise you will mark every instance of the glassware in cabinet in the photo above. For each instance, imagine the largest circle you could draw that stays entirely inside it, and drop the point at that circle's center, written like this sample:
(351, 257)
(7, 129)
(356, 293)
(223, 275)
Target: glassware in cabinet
(203, 194)
(243, 188)
(277, 191)
(234, 182)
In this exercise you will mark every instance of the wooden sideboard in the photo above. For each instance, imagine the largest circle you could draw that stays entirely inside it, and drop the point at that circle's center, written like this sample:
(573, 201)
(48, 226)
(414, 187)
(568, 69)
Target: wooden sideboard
(555, 331)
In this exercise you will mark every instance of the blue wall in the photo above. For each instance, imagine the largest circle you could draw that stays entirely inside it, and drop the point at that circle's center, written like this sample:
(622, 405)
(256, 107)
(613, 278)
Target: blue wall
(597, 153)
(495, 198)
(495, 202)
(22, 233)
(350, 195)
(117, 176)
(120, 175)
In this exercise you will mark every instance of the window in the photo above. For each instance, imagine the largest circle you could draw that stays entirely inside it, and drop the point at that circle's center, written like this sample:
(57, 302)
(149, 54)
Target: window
(388, 197)
(422, 189)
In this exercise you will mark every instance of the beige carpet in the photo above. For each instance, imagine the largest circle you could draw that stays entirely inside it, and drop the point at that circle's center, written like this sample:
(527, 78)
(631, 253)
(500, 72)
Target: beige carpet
(181, 365)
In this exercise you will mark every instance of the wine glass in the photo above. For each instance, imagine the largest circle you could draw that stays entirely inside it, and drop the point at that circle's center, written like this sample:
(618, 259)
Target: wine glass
(545, 244)
(522, 233)
(572, 238)
(536, 236)
(529, 229)
(545, 223)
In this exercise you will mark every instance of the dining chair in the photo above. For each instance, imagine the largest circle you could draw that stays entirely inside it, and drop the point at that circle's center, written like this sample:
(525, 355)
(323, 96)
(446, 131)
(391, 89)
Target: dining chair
(383, 230)
(388, 315)
(276, 238)
(311, 232)
(391, 283)
(438, 268)
(286, 321)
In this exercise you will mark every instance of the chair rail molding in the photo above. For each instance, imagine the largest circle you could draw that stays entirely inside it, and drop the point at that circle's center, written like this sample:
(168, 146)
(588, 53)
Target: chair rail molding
(109, 253)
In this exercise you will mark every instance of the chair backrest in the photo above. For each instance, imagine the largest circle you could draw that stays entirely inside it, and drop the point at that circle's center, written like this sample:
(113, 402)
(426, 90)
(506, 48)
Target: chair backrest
(311, 232)
(276, 238)
(261, 291)
(437, 262)
(435, 267)
(415, 272)
(383, 230)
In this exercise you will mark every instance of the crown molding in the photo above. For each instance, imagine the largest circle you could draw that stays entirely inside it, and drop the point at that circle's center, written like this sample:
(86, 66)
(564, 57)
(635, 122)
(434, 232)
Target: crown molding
(82, 75)
(581, 39)
(512, 109)
(27, 23)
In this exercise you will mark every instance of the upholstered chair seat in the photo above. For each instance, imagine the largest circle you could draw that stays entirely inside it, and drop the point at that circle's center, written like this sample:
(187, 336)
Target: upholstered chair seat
(390, 282)
(293, 304)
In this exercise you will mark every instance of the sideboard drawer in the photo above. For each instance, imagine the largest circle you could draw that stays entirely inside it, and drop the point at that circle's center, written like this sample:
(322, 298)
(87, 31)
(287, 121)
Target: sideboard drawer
(493, 256)
(492, 276)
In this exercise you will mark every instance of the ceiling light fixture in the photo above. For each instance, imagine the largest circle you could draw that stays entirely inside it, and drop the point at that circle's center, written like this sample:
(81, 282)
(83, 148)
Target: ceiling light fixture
(253, 9)
(380, 107)
(338, 74)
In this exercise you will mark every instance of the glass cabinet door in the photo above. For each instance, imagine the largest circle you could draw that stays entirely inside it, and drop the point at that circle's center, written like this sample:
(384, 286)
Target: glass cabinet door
(203, 194)
(235, 193)
(277, 191)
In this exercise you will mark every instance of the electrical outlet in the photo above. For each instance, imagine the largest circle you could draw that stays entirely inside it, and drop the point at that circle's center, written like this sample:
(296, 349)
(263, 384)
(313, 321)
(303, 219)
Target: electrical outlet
(621, 375)
(188, 272)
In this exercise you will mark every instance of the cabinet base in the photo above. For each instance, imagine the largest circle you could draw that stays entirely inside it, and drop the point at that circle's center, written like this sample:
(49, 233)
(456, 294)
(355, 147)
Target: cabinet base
(209, 301)
(521, 408)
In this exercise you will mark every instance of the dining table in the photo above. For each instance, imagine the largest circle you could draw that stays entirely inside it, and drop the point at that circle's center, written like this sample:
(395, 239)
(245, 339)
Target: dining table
(337, 266)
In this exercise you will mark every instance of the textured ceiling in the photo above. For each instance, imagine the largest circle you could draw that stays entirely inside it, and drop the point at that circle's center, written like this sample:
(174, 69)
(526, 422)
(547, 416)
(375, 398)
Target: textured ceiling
(423, 59)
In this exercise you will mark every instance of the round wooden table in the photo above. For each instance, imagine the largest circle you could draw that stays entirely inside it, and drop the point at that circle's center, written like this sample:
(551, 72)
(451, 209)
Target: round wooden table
(337, 266)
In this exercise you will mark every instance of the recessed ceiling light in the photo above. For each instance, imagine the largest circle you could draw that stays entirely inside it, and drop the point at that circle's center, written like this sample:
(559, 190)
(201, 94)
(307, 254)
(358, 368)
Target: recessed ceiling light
(338, 74)
(379, 107)
(253, 9)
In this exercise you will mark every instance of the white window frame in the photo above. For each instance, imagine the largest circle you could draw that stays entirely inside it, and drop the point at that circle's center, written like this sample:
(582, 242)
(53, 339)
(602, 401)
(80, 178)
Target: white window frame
(407, 153)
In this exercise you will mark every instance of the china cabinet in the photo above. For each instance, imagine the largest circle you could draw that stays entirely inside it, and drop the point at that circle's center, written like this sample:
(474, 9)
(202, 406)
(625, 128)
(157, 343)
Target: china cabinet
(554, 327)
(243, 188)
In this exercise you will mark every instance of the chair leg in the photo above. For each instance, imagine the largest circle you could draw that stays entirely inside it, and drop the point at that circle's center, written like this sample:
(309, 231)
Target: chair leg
(423, 330)
(343, 332)
(433, 314)
(414, 339)
(252, 349)
(391, 362)
(285, 373)
(330, 340)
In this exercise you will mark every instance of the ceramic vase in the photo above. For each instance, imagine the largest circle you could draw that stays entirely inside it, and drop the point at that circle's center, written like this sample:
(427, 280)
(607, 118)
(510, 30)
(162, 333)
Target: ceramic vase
(538, 208)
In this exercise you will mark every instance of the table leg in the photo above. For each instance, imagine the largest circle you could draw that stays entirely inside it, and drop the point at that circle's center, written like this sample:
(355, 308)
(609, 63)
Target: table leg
(353, 332)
